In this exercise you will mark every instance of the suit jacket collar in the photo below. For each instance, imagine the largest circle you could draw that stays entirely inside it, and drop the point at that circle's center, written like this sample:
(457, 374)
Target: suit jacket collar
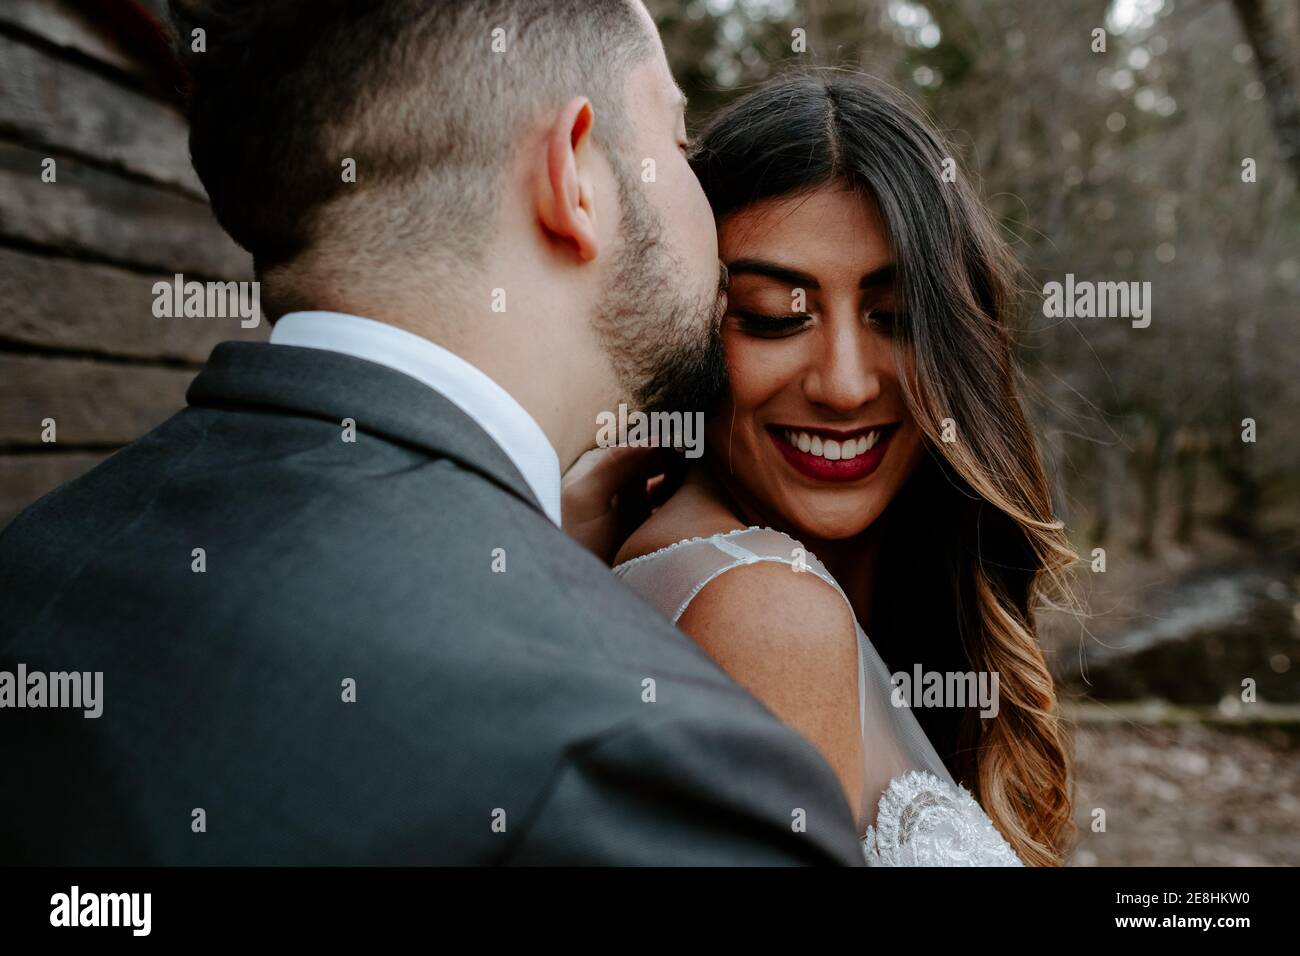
(331, 386)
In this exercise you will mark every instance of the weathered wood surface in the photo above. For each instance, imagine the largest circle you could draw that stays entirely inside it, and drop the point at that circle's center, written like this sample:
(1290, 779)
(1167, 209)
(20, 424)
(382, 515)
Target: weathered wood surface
(67, 304)
(64, 24)
(92, 212)
(79, 257)
(49, 102)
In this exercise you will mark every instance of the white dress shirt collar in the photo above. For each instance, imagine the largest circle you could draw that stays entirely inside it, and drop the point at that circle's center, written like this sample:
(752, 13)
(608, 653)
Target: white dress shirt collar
(465, 386)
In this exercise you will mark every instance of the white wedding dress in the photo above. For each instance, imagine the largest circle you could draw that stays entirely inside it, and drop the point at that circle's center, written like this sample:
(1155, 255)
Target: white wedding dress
(915, 813)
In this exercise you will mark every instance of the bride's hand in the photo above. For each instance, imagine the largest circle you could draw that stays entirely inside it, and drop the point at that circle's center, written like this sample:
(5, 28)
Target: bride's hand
(608, 493)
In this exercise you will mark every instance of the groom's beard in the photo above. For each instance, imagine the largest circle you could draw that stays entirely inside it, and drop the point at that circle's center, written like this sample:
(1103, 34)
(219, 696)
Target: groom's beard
(666, 346)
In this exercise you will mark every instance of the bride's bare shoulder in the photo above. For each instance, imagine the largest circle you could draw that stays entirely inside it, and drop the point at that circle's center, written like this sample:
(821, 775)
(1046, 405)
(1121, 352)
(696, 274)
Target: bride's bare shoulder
(694, 511)
(697, 510)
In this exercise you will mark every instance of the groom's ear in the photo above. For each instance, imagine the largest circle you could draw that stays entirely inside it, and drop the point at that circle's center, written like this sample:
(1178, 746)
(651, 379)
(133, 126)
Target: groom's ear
(564, 184)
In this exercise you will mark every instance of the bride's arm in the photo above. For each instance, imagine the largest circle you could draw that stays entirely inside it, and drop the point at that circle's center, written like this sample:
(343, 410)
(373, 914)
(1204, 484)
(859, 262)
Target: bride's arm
(789, 639)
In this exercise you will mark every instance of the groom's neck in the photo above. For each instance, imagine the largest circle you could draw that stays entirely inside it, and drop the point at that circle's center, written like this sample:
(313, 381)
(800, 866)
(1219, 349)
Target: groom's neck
(530, 358)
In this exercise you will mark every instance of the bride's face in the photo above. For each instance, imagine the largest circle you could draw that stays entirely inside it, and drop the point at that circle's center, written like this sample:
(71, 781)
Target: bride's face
(815, 434)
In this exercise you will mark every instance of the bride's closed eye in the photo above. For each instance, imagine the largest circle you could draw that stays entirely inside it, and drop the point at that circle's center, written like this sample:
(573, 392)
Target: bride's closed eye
(764, 325)
(884, 321)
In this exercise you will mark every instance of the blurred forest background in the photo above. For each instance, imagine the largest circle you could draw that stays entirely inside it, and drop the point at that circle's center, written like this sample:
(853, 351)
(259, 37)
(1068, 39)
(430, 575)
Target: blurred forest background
(1128, 164)
(1173, 156)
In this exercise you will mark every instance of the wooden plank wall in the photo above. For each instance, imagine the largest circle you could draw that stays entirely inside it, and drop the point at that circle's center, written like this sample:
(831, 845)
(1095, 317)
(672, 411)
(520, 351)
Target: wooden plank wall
(78, 257)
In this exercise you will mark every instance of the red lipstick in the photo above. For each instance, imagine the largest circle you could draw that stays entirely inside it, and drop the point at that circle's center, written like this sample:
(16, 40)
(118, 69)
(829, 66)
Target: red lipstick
(823, 469)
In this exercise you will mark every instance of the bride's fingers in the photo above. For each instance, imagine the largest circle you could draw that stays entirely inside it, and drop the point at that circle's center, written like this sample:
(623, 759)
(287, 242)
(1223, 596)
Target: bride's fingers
(639, 495)
(602, 466)
(599, 474)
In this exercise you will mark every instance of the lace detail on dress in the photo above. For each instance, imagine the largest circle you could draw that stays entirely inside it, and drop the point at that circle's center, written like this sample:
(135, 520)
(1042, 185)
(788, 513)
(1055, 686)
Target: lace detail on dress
(923, 821)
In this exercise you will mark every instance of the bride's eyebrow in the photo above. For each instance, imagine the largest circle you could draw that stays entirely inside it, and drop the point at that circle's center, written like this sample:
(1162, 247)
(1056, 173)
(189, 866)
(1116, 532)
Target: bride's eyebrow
(770, 270)
(880, 278)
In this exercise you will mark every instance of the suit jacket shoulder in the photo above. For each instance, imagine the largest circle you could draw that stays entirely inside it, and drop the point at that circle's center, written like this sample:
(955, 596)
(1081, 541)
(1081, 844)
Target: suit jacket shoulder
(377, 651)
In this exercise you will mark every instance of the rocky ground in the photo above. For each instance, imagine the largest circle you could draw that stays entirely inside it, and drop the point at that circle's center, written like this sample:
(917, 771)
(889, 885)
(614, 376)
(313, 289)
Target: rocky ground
(1186, 795)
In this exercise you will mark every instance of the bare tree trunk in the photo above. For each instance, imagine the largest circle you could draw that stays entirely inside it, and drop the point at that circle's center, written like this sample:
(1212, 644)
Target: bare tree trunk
(1108, 497)
(1276, 54)
(1151, 457)
(1239, 467)
(1187, 452)
(1240, 518)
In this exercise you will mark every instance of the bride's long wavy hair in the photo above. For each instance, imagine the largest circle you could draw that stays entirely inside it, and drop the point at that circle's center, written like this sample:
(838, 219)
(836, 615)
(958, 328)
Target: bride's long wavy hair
(970, 547)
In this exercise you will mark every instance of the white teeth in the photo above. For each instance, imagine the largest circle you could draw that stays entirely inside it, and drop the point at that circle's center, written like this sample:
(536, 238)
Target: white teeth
(830, 448)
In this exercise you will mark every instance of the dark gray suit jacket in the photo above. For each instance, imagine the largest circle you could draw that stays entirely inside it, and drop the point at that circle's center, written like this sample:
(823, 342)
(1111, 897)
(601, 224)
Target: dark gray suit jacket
(499, 717)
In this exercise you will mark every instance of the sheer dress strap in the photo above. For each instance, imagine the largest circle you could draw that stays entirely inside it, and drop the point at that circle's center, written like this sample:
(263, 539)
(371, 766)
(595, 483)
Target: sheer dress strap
(671, 585)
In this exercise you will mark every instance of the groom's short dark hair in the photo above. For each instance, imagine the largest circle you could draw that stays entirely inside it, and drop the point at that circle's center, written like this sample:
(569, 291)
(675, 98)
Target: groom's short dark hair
(426, 97)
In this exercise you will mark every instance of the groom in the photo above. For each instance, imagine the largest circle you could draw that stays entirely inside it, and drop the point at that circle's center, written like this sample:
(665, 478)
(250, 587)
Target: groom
(334, 617)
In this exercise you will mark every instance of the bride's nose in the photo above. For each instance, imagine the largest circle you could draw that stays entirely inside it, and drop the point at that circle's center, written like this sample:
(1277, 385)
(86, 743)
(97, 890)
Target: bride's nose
(845, 372)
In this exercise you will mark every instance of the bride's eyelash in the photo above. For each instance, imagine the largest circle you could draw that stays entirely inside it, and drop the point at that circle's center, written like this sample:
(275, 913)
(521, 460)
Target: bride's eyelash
(775, 326)
(759, 323)
(885, 320)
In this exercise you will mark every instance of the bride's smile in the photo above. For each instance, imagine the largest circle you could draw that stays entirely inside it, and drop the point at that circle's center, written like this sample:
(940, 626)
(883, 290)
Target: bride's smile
(826, 455)
(815, 433)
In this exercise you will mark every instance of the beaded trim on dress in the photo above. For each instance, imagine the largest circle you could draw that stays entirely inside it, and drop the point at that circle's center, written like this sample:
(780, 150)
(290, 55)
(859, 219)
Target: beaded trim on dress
(631, 562)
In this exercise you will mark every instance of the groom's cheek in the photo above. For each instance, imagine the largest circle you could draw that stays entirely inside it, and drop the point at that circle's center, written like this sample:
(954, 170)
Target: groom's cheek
(687, 215)
(702, 214)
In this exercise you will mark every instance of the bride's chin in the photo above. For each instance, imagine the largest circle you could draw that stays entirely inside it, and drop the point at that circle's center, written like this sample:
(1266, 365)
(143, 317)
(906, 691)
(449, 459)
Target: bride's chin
(834, 531)
(798, 518)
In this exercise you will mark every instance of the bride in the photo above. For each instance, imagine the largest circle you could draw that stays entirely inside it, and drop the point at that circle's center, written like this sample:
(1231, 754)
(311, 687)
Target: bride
(870, 471)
